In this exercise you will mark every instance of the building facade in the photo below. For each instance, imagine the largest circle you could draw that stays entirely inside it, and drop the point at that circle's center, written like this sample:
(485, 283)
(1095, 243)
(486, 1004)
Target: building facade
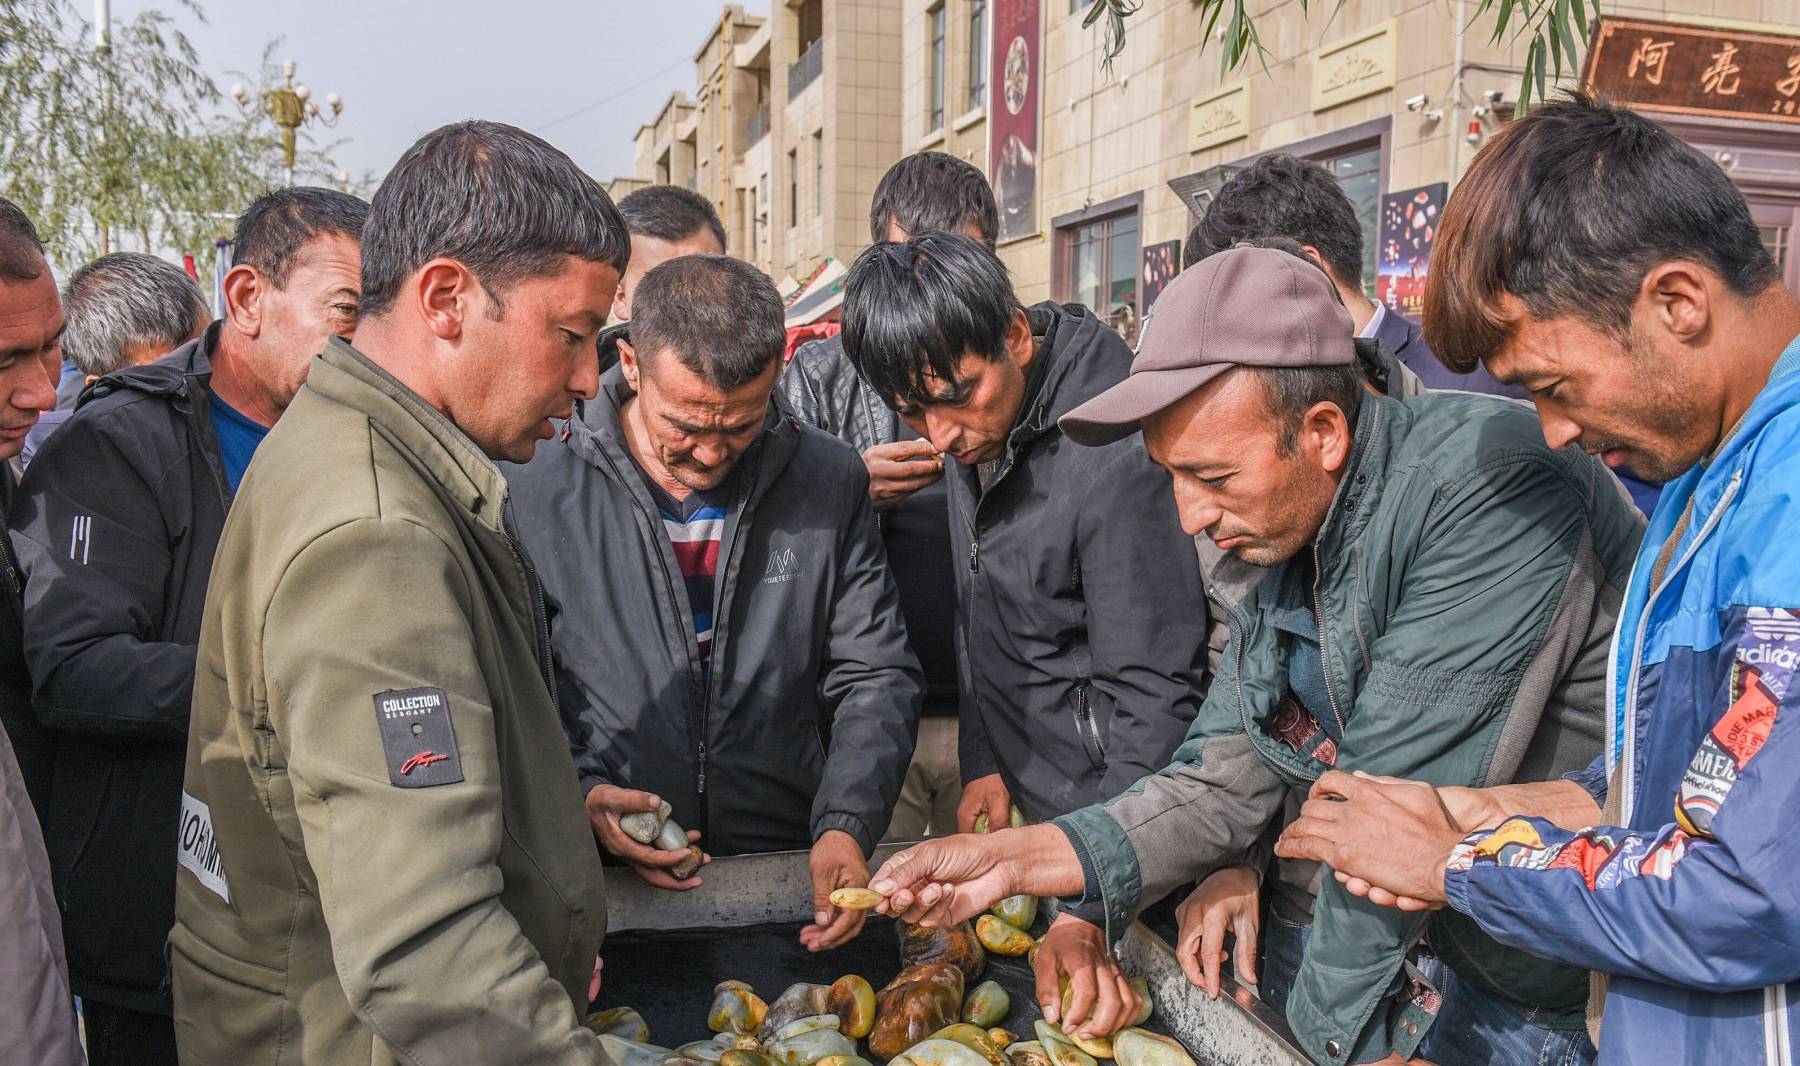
(1101, 173)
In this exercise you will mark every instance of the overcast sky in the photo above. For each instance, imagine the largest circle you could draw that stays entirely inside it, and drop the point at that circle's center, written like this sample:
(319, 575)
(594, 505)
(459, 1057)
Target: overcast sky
(584, 74)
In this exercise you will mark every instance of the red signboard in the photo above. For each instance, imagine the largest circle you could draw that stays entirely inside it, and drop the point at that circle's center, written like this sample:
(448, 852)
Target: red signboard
(1696, 70)
(1013, 115)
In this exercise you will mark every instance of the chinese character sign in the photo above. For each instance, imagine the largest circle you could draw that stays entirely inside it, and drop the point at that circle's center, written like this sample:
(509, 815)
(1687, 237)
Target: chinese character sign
(1696, 70)
(1013, 115)
(1409, 223)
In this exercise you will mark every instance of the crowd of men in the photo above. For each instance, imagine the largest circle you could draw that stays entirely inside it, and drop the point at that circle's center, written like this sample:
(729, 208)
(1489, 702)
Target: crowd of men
(342, 634)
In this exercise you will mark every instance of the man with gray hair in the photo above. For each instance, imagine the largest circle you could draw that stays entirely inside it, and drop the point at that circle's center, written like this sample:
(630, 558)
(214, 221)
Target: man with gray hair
(383, 856)
(116, 525)
(124, 309)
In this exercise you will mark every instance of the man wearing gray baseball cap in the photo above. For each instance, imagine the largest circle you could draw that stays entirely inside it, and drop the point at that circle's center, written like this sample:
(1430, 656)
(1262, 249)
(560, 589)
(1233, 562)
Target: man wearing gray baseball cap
(1437, 596)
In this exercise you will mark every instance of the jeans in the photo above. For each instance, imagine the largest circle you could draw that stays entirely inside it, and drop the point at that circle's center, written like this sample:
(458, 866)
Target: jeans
(1472, 1028)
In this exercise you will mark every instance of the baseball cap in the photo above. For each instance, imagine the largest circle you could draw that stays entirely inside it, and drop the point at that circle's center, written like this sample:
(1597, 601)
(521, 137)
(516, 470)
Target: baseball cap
(1245, 306)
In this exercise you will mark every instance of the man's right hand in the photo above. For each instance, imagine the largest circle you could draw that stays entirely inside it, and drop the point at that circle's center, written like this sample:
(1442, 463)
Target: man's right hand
(605, 805)
(984, 794)
(953, 879)
(900, 468)
(1224, 902)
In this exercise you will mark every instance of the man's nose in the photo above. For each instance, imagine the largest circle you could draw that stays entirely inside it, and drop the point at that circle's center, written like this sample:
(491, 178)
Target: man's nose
(1558, 431)
(1198, 512)
(710, 454)
(585, 382)
(940, 431)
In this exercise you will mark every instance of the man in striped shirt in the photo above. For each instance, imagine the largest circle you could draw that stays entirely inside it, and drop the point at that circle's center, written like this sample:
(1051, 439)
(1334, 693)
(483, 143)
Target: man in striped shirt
(727, 635)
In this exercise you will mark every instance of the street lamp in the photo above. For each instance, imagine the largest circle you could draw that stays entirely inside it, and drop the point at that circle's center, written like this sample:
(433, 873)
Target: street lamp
(290, 107)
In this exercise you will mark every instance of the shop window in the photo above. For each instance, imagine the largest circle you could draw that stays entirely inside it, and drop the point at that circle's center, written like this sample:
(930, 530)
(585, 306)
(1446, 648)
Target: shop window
(934, 21)
(977, 54)
(1099, 267)
(1358, 171)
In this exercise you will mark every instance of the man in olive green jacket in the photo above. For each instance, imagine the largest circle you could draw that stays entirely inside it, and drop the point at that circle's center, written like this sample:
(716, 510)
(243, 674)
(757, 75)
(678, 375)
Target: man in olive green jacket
(382, 857)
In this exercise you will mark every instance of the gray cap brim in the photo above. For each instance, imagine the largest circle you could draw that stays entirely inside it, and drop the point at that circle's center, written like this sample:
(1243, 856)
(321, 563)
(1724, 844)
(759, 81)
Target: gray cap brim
(1119, 411)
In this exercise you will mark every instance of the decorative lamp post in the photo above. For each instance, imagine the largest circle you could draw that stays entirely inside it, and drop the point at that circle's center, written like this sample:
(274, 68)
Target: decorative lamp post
(291, 106)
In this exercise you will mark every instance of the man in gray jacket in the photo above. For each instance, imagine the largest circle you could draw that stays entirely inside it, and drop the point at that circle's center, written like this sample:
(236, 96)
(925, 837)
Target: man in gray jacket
(727, 635)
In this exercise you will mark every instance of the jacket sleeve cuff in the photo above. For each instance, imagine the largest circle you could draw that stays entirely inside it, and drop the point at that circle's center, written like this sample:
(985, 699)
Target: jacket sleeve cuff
(1109, 870)
(1593, 778)
(848, 823)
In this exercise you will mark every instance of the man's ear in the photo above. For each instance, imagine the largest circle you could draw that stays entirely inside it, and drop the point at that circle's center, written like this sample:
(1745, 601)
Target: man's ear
(628, 363)
(245, 287)
(446, 296)
(1328, 431)
(1678, 296)
(1020, 345)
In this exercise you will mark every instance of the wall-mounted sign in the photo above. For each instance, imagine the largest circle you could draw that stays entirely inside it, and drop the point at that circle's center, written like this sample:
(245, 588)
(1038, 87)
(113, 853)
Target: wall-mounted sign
(1409, 221)
(1161, 263)
(1357, 66)
(1219, 117)
(1696, 70)
(1017, 63)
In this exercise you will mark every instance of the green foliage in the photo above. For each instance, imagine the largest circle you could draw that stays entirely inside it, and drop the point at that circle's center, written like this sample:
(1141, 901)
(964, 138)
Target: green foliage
(1557, 30)
(134, 140)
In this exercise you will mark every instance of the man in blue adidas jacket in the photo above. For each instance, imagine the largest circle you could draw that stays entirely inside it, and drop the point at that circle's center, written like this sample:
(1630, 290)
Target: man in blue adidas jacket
(1616, 273)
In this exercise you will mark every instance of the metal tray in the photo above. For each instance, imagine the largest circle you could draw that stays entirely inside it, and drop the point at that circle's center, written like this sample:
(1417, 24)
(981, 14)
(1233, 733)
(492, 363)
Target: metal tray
(665, 950)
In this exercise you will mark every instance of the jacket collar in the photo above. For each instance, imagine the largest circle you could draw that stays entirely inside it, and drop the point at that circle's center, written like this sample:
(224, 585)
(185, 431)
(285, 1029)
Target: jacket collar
(344, 375)
(1394, 330)
(1060, 378)
(183, 372)
(1377, 423)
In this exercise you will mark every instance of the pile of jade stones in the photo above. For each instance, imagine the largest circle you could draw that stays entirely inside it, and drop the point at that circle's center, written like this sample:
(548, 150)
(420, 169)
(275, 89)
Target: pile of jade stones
(921, 1018)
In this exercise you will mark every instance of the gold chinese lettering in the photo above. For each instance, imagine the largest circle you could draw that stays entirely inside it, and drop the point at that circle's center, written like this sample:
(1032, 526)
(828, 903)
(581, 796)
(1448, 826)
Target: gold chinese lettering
(1722, 77)
(1790, 85)
(1651, 54)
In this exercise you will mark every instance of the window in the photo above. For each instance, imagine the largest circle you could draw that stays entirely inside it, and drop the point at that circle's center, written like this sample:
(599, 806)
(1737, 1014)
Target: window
(1100, 268)
(977, 53)
(1358, 171)
(793, 187)
(935, 106)
(819, 172)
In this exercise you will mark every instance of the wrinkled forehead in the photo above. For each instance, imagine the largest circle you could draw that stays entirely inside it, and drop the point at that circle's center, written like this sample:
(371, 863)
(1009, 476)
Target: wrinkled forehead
(1217, 425)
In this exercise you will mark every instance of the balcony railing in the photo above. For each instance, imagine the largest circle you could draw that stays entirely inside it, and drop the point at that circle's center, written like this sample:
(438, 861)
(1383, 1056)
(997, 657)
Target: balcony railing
(758, 126)
(806, 69)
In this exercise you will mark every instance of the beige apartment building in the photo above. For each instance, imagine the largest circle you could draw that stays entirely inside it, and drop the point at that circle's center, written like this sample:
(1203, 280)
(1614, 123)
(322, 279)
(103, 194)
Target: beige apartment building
(795, 117)
(1391, 95)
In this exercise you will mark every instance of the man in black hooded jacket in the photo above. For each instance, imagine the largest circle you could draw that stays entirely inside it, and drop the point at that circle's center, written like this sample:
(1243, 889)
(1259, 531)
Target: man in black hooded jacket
(1081, 618)
(116, 522)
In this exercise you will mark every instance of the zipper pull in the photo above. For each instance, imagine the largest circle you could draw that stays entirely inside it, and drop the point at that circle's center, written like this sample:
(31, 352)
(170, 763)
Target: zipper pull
(974, 557)
(701, 782)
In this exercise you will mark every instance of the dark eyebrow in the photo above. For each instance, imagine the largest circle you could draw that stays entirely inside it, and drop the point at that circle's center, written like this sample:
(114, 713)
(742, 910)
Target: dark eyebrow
(29, 350)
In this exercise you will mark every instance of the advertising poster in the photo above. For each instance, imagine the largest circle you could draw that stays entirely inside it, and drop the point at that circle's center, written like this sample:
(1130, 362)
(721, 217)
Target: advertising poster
(1408, 227)
(1013, 115)
(1161, 263)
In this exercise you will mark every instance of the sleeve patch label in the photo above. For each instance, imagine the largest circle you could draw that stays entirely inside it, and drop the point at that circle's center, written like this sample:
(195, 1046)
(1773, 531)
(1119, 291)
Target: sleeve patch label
(417, 737)
(197, 849)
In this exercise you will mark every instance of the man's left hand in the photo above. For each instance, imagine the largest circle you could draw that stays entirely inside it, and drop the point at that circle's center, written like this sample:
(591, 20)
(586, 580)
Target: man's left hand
(1383, 838)
(837, 862)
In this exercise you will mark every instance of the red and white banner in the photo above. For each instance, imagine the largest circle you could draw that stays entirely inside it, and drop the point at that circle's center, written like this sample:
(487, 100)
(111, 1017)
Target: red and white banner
(1016, 73)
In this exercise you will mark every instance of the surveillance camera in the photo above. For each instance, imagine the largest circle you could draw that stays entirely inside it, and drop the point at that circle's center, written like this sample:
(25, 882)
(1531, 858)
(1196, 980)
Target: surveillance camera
(1481, 111)
(1417, 102)
(1494, 96)
(1435, 115)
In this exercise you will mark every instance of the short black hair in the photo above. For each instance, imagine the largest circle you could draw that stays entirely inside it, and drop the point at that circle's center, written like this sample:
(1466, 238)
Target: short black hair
(670, 213)
(271, 233)
(915, 309)
(1567, 209)
(1291, 391)
(502, 202)
(21, 250)
(126, 300)
(1282, 195)
(930, 191)
(720, 316)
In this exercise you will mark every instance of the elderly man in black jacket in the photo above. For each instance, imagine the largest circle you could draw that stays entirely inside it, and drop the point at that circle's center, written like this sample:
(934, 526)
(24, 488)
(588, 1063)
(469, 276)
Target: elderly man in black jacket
(726, 633)
(116, 523)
